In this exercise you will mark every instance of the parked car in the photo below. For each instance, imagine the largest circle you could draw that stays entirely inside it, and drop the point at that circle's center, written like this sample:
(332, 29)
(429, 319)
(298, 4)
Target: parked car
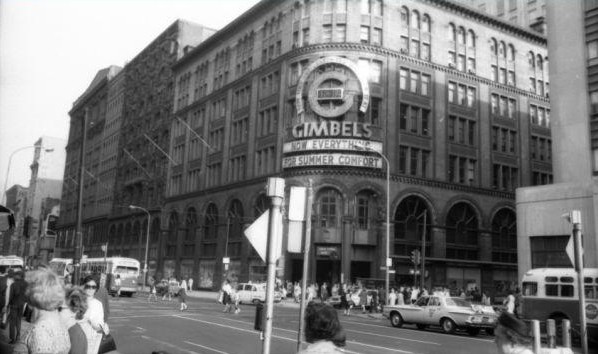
(450, 313)
(254, 293)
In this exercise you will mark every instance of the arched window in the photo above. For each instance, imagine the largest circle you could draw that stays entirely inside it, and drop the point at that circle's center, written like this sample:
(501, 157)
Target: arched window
(471, 39)
(426, 25)
(462, 232)
(493, 46)
(235, 218)
(211, 222)
(155, 231)
(365, 205)
(190, 225)
(504, 236)
(511, 54)
(452, 33)
(328, 208)
(127, 237)
(502, 50)
(540, 63)
(404, 16)
(461, 35)
(409, 225)
(119, 238)
(414, 19)
(531, 60)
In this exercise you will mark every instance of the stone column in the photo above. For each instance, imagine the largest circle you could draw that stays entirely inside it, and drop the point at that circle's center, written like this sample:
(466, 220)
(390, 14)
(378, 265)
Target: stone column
(346, 248)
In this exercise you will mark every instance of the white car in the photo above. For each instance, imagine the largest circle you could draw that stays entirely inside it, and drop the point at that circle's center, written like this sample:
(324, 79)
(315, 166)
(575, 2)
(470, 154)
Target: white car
(450, 313)
(254, 293)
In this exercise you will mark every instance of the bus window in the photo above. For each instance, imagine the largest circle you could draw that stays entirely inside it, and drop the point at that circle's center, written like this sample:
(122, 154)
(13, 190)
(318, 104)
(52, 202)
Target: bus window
(587, 280)
(590, 292)
(567, 290)
(552, 290)
(530, 289)
(566, 279)
(126, 270)
(551, 279)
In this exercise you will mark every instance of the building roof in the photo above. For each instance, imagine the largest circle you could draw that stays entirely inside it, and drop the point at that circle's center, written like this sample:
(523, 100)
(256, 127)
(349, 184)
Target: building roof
(103, 74)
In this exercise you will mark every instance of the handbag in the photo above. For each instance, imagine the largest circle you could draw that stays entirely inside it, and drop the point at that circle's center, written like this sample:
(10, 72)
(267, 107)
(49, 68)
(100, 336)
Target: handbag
(107, 344)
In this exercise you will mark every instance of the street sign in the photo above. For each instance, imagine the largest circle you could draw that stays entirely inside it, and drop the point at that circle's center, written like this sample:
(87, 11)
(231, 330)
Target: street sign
(226, 260)
(392, 271)
(570, 250)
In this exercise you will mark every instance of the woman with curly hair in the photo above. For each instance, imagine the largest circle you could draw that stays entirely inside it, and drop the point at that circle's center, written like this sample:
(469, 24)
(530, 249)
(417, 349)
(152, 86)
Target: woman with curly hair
(323, 331)
(75, 306)
(47, 334)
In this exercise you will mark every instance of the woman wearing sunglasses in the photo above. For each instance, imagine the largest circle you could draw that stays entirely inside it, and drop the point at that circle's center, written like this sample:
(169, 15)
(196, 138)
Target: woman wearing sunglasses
(94, 314)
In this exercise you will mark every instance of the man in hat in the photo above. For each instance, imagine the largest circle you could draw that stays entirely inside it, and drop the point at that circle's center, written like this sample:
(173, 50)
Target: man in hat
(512, 335)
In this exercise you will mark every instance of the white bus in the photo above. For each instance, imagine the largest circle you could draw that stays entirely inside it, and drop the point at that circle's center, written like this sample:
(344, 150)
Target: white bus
(553, 293)
(126, 268)
(11, 262)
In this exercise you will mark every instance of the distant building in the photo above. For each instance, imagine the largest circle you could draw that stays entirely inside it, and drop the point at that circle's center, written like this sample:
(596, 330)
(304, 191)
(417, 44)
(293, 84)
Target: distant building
(46, 182)
(16, 200)
(525, 13)
(542, 232)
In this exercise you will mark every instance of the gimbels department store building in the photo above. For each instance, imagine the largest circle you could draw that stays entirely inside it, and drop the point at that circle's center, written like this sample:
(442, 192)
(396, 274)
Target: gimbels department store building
(455, 100)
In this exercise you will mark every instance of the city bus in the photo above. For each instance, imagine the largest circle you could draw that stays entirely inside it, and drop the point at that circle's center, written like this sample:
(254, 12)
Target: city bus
(11, 262)
(126, 268)
(552, 293)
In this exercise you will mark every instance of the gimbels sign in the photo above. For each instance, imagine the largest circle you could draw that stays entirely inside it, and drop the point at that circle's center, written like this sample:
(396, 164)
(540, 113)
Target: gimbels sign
(334, 83)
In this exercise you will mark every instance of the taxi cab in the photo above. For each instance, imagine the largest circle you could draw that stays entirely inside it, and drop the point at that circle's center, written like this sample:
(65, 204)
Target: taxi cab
(450, 313)
(254, 293)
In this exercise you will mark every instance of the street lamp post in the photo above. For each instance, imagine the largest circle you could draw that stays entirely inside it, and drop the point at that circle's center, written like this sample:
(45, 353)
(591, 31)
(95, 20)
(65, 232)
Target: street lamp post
(388, 261)
(147, 235)
(4, 196)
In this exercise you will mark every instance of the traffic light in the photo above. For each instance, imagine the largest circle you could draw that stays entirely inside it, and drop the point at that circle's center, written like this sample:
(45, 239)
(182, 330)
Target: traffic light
(416, 256)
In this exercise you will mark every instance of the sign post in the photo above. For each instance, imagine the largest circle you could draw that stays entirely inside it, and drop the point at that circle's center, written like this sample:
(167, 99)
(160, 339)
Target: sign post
(574, 217)
(274, 190)
(306, 250)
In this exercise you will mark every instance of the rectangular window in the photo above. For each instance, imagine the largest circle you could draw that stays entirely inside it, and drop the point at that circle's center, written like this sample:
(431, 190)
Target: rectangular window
(414, 114)
(592, 49)
(414, 161)
(461, 62)
(341, 33)
(451, 92)
(376, 72)
(402, 159)
(404, 49)
(494, 73)
(327, 33)
(377, 36)
(470, 97)
(549, 251)
(414, 82)
(425, 86)
(376, 7)
(364, 35)
(414, 48)
(403, 77)
(502, 76)
(425, 52)
(403, 117)
(305, 32)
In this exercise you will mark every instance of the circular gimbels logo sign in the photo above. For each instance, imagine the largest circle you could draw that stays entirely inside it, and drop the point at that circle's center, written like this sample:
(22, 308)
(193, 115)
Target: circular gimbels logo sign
(328, 96)
(591, 311)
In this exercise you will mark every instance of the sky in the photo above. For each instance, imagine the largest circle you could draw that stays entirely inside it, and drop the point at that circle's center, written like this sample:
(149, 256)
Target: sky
(50, 51)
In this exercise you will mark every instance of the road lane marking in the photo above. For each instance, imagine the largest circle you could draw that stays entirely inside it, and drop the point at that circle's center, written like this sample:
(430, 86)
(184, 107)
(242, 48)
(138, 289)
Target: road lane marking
(290, 339)
(137, 316)
(208, 348)
(166, 344)
(392, 337)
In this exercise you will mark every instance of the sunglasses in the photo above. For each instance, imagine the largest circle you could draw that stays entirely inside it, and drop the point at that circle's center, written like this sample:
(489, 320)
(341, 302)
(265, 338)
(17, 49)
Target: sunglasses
(90, 286)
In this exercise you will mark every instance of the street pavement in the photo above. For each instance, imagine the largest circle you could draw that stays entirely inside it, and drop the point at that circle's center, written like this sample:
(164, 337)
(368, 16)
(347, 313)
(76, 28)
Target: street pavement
(142, 327)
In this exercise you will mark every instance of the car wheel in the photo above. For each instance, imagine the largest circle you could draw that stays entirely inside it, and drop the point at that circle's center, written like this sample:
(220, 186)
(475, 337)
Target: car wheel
(489, 331)
(421, 326)
(396, 320)
(448, 325)
(473, 331)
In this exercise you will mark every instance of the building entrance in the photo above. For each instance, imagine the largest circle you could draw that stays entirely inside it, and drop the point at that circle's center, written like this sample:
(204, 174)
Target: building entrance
(328, 271)
(360, 269)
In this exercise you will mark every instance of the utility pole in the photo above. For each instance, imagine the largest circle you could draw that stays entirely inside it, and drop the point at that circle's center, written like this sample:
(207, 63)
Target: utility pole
(576, 221)
(79, 228)
(423, 258)
(274, 190)
(306, 250)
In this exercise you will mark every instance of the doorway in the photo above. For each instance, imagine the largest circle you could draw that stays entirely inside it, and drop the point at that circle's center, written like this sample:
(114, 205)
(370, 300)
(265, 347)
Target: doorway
(360, 269)
(328, 271)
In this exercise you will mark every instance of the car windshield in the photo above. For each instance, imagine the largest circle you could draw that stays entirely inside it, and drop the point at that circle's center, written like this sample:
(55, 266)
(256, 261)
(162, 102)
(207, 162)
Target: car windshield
(455, 301)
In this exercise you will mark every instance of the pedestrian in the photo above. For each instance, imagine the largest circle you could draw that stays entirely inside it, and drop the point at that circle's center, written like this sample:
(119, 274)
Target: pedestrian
(512, 335)
(355, 299)
(226, 291)
(3, 290)
(47, 334)
(190, 282)
(16, 305)
(392, 297)
(71, 314)
(401, 296)
(297, 292)
(183, 297)
(184, 284)
(509, 303)
(343, 298)
(102, 295)
(94, 314)
(363, 299)
(152, 293)
(117, 284)
(414, 294)
(323, 330)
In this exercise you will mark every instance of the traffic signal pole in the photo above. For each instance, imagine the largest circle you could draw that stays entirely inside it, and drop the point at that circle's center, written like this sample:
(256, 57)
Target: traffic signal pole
(576, 221)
